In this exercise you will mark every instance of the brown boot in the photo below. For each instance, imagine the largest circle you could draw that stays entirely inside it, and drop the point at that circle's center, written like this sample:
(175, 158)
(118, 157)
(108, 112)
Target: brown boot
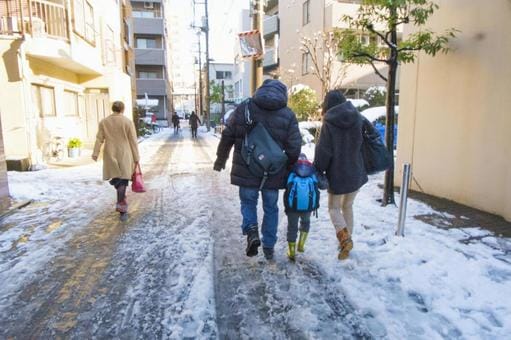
(345, 243)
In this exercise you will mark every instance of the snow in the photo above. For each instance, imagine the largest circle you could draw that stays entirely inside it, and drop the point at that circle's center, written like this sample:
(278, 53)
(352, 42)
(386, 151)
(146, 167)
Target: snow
(310, 125)
(376, 112)
(433, 283)
(359, 102)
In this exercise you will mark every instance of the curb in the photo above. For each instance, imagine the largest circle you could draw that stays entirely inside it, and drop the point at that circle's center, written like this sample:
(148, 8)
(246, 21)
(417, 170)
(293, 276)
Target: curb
(15, 207)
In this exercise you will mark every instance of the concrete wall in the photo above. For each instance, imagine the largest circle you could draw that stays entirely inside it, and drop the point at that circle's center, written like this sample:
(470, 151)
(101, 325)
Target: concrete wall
(12, 101)
(4, 185)
(291, 32)
(454, 122)
(325, 15)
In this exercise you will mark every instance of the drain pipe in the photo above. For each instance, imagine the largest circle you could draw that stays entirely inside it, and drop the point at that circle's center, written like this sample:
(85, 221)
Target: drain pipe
(407, 170)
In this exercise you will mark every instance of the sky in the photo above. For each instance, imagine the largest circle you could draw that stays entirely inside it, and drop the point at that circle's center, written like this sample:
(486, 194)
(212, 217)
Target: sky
(224, 16)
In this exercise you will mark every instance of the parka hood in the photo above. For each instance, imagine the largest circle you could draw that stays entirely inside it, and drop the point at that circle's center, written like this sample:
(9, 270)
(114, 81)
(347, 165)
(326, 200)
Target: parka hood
(272, 95)
(344, 115)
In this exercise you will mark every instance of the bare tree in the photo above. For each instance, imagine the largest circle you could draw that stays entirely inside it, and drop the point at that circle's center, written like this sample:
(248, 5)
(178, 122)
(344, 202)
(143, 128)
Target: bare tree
(323, 49)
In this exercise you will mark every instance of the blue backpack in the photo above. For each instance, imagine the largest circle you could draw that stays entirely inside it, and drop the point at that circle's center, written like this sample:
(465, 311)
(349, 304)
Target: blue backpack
(302, 193)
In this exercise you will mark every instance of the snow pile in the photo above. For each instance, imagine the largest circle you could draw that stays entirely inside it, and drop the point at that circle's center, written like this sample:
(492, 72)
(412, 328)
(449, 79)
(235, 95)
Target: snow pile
(428, 284)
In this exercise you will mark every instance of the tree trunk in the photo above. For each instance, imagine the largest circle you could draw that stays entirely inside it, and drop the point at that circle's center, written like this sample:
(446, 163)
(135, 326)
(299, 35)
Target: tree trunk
(388, 192)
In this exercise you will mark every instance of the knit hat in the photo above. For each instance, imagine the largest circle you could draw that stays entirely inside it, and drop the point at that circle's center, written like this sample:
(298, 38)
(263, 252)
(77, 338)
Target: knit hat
(333, 98)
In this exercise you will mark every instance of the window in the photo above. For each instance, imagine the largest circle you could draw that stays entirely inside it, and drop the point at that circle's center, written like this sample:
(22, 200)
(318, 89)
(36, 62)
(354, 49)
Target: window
(364, 40)
(44, 100)
(229, 89)
(84, 20)
(146, 43)
(306, 14)
(128, 33)
(70, 103)
(148, 75)
(81, 105)
(143, 14)
(306, 63)
(108, 46)
(223, 75)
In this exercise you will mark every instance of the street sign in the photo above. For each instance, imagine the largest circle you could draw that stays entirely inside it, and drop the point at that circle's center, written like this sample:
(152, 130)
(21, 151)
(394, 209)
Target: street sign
(251, 44)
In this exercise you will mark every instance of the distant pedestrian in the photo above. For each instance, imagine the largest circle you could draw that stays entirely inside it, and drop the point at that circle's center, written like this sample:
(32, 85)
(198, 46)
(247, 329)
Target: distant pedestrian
(153, 121)
(194, 122)
(338, 153)
(268, 107)
(175, 122)
(120, 153)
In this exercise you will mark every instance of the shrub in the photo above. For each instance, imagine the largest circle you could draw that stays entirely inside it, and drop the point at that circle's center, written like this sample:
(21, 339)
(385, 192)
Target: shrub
(303, 103)
(74, 143)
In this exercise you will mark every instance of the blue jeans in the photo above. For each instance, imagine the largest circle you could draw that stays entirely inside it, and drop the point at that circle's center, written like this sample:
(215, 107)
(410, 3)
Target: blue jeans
(248, 200)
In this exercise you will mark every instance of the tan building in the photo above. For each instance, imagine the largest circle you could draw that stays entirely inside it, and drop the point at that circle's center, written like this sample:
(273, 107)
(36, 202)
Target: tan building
(4, 186)
(454, 122)
(305, 18)
(64, 61)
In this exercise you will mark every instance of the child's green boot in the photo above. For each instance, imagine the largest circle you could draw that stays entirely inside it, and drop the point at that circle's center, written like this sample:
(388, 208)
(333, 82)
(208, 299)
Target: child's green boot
(301, 241)
(291, 250)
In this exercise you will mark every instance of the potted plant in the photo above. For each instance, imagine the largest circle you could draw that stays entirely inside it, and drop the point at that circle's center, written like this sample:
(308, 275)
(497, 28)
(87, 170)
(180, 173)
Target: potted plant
(74, 146)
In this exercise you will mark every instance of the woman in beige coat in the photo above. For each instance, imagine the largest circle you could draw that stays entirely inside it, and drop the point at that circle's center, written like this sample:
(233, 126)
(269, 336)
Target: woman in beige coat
(120, 154)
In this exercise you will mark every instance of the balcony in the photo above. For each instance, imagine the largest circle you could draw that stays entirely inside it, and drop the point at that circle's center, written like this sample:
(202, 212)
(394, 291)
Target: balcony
(149, 56)
(270, 58)
(40, 18)
(152, 26)
(153, 87)
(271, 26)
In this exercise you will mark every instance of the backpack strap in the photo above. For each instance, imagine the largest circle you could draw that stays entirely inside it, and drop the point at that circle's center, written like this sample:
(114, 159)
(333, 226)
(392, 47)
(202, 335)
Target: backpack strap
(265, 177)
(248, 123)
(248, 119)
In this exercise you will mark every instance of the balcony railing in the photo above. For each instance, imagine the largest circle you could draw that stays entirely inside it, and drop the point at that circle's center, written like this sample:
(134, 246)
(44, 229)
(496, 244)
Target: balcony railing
(270, 58)
(271, 25)
(35, 17)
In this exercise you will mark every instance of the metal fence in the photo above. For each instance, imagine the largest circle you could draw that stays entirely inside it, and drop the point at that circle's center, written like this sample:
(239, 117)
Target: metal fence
(36, 17)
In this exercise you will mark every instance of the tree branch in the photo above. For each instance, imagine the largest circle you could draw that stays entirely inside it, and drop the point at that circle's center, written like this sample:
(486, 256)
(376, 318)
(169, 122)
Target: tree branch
(378, 72)
(384, 37)
(409, 49)
(370, 57)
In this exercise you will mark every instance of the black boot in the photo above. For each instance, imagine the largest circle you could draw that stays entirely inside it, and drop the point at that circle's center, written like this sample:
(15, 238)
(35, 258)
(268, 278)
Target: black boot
(253, 241)
(268, 253)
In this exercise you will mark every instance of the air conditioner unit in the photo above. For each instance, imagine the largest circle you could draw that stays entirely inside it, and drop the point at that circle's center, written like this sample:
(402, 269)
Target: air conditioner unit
(148, 4)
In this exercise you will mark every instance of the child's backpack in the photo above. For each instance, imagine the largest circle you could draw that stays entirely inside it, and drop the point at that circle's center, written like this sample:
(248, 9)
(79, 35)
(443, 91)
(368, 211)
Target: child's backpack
(302, 192)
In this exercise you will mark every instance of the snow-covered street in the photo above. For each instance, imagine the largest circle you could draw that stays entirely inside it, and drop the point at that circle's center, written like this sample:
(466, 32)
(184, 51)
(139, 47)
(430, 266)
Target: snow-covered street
(176, 269)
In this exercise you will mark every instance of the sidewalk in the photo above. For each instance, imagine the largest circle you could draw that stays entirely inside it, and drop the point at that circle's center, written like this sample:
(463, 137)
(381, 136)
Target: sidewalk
(85, 158)
(454, 215)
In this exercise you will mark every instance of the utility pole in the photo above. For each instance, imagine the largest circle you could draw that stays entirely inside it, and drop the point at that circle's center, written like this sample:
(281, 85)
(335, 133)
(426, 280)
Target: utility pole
(206, 30)
(257, 62)
(200, 78)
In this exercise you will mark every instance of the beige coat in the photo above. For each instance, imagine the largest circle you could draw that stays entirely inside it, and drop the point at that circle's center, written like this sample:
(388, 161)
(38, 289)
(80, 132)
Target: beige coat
(121, 148)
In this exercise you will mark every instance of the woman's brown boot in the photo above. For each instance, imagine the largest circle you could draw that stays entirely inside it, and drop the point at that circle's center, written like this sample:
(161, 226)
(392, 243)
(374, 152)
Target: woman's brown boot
(345, 243)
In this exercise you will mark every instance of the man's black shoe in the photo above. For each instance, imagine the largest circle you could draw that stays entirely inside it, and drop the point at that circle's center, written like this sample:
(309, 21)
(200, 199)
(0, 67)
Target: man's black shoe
(253, 241)
(268, 253)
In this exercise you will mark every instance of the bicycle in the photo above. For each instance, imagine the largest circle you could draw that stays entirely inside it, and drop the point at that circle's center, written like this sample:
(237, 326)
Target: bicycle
(54, 149)
(156, 127)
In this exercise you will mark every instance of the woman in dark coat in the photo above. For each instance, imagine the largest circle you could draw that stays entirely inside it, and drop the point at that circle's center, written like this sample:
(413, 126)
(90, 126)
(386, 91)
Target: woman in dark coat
(339, 154)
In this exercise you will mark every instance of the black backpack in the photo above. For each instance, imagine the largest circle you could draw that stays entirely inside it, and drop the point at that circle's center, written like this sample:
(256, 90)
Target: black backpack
(264, 157)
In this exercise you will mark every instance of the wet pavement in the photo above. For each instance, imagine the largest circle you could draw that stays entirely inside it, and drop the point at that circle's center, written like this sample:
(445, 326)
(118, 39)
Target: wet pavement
(175, 269)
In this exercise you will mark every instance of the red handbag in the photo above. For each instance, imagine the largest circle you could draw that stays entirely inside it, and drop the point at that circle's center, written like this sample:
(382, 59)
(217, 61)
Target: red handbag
(137, 182)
